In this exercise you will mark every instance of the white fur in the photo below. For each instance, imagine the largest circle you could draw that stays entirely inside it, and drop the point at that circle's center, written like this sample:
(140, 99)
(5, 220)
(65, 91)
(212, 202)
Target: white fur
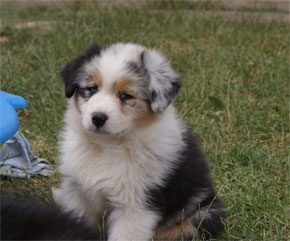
(117, 170)
(112, 169)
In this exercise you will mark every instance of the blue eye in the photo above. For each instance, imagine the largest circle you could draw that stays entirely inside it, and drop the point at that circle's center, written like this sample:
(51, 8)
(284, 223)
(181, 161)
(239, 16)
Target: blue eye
(94, 89)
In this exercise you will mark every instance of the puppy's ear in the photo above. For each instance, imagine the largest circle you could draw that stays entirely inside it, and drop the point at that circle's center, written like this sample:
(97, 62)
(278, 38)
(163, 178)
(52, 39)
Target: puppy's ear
(69, 74)
(72, 70)
(163, 84)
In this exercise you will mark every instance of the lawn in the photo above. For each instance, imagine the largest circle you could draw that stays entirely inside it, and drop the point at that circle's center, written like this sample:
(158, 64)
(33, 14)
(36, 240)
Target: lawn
(235, 95)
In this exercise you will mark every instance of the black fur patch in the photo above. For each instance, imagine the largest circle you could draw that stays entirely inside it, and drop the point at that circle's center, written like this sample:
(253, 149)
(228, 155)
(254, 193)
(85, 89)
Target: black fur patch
(28, 220)
(82, 93)
(176, 85)
(191, 178)
(210, 225)
(135, 69)
(169, 94)
(153, 95)
(71, 70)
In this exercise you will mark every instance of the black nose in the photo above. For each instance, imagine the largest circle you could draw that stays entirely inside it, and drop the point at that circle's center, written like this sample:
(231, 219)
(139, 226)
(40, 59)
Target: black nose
(99, 118)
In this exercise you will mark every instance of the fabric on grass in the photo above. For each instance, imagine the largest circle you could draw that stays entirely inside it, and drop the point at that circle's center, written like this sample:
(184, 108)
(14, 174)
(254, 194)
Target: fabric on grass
(16, 159)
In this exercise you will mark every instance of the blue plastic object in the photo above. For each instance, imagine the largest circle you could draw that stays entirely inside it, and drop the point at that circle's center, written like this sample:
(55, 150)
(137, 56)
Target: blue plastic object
(9, 122)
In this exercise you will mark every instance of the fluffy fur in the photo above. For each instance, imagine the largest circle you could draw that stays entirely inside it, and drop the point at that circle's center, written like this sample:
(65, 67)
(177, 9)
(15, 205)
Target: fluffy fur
(28, 220)
(124, 150)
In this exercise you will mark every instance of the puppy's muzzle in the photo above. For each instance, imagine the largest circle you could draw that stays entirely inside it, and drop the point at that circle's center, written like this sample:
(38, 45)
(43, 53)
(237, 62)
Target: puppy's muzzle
(99, 119)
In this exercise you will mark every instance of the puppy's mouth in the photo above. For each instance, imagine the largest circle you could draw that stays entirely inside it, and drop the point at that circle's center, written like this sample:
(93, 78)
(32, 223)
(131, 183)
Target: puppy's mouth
(99, 130)
(102, 131)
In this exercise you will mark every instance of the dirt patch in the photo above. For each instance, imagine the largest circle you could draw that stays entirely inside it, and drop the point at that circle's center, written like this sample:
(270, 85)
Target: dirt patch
(282, 5)
(3, 40)
(235, 15)
(45, 25)
(239, 15)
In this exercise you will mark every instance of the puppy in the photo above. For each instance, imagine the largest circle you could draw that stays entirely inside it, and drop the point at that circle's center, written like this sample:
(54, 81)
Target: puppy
(124, 150)
(25, 219)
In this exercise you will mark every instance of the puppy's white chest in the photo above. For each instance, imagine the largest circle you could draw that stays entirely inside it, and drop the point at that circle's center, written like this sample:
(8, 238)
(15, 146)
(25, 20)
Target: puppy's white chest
(120, 175)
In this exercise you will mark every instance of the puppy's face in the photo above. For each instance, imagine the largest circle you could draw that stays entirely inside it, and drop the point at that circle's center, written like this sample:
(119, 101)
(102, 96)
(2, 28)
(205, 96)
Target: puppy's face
(112, 102)
(119, 88)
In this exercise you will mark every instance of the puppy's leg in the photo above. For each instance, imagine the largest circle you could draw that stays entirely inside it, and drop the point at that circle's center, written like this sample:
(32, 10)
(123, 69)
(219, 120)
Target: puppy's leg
(132, 224)
(208, 219)
(70, 199)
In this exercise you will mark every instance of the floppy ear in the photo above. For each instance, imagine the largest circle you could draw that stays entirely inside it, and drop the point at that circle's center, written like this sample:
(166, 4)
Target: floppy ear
(163, 83)
(71, 71)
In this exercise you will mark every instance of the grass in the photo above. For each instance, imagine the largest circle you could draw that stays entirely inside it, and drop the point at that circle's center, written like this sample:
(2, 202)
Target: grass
(235, 96)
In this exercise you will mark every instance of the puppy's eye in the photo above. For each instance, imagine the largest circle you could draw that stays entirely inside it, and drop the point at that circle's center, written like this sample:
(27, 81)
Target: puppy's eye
(125, 96)
(94, 89)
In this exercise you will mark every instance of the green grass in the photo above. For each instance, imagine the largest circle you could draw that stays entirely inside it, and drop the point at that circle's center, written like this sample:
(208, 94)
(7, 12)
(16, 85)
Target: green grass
(235, 95)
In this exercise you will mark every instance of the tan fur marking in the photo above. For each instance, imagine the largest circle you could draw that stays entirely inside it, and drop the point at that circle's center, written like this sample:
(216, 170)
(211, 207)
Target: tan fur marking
(97, 78)
(145, 117)
(124, 109)
(175, 232)
(123, 85)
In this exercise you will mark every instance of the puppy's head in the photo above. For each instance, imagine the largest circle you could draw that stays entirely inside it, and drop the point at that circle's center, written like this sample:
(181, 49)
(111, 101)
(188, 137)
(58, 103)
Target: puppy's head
(120, 87)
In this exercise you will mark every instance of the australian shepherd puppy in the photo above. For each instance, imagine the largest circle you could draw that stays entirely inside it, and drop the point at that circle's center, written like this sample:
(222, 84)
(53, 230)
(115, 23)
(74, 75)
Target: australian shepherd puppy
(124, 150)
